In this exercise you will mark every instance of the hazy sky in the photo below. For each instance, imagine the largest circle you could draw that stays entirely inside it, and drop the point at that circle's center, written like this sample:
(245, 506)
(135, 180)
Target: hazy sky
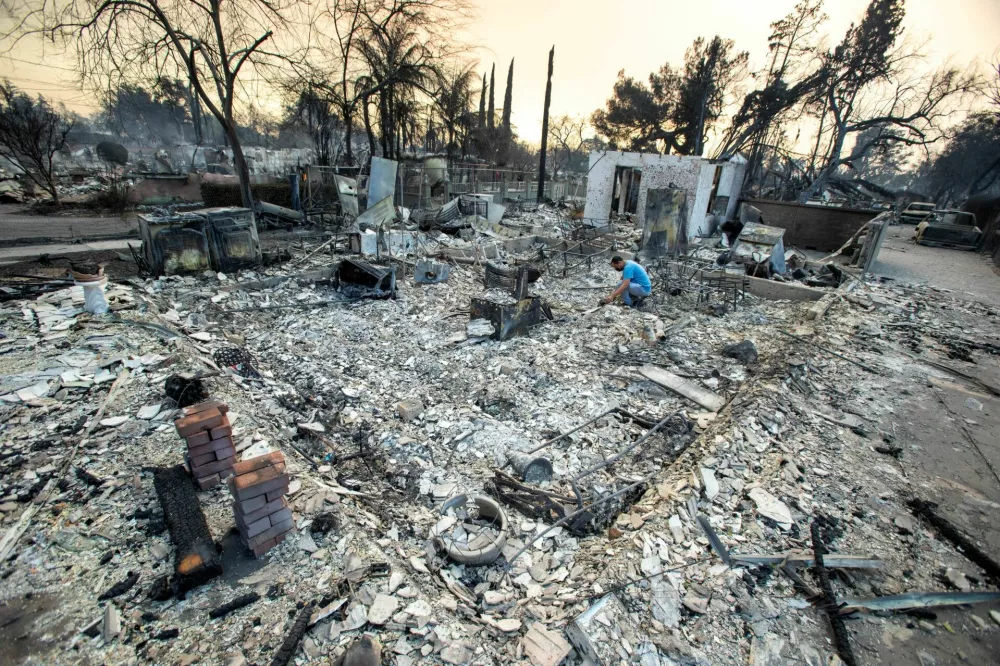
(594, 39)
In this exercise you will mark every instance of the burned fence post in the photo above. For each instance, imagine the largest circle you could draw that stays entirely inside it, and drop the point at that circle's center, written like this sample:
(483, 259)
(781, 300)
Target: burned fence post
(828, 601)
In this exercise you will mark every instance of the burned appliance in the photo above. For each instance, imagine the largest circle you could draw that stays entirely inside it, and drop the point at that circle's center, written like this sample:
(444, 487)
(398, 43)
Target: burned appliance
(513, 319)
(233, 234)
(220, 239)
(431, 272)
(174, 244)
(359, 279)
(513, 316)
(514, 281)
(761, 248)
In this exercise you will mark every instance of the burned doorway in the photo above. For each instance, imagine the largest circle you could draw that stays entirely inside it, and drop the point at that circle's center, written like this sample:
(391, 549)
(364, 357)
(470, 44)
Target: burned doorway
(665, 229)
(626, 195)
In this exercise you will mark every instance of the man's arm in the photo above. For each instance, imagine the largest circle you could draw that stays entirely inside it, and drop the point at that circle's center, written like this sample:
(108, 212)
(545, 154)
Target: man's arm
(618, 292)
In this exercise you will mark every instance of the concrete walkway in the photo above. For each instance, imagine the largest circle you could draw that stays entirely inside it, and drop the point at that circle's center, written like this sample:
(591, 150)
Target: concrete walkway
(19, 253)
(970, 275)
(16, 227)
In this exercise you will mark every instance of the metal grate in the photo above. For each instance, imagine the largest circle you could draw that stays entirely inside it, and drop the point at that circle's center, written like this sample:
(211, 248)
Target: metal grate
(472, 205)
(514, 281)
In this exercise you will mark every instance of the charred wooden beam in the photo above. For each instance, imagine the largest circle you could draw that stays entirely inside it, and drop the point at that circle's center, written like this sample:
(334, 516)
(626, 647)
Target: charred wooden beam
(197, 560)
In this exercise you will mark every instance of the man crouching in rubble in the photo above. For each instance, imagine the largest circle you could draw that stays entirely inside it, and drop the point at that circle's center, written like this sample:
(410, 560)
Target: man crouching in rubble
(635, 285)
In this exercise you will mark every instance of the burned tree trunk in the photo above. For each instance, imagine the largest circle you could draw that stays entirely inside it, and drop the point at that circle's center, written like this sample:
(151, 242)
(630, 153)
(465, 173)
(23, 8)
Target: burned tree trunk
(545, 128)
(348, 136)
(242, 169)
(368, 127)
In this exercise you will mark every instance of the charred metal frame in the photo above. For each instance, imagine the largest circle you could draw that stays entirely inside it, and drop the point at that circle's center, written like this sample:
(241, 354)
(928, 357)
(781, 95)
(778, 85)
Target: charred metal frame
(511, 320)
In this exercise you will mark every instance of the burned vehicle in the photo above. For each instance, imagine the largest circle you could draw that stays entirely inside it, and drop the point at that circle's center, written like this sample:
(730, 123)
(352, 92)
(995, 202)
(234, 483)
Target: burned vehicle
(916, 212)
(950, 228)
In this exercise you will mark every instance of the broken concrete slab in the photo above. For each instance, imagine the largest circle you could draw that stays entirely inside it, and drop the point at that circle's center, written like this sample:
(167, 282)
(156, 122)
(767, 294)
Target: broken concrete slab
(685, 387)
(666, 603)
(771, 507)
(382, 609)
(543, 646)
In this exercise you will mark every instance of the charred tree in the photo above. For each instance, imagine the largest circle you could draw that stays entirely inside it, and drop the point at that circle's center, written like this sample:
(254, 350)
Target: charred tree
(545, 127)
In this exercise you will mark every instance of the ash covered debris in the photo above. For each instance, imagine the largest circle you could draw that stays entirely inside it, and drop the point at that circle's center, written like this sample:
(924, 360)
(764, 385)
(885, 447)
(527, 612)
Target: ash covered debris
(387, 414)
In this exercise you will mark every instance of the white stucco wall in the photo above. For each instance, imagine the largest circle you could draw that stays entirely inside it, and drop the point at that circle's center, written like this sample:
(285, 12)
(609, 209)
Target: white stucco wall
(692, 174)
(731, 182)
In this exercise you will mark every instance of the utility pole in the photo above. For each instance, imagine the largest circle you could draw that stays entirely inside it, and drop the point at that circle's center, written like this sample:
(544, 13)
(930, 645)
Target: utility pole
(545, 128)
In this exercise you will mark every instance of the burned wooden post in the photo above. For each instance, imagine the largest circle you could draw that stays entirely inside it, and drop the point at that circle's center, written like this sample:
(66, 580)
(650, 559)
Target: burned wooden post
(197, 560)
(545, 128)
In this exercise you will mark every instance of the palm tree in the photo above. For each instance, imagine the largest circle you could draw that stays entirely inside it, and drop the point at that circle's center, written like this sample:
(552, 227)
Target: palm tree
(399, 65)
(453, 102)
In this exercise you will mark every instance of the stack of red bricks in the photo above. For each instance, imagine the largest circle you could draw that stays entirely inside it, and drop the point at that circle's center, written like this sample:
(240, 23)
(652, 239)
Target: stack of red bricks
(258, 487)
(211, 453)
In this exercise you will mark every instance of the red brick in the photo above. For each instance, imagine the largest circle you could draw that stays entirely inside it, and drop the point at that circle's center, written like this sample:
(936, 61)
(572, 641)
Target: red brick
(268, 534)
(279, 517)
(208, 481)
(254, 464)
(276, 493)
(226, 452)
(198, 439)
(226, 473)
(249, 505)
(257, 527)
(255, 478)
(211, 468)
(206, 420)
(211, 447)
(279, 484)
(198, 461)
(198, 417)
(262, 512)
(271, 543)
(264, 547)
(206, 405)
(224, 430)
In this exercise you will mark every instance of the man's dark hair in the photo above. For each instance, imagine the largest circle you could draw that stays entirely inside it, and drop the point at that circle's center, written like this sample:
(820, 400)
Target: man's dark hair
(615, 259)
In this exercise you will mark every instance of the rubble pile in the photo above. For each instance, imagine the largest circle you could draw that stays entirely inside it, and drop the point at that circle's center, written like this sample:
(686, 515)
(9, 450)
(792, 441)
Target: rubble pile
(383, 487)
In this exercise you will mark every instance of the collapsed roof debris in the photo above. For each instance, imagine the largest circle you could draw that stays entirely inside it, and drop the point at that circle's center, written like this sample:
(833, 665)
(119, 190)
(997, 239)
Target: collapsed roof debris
(469, 462)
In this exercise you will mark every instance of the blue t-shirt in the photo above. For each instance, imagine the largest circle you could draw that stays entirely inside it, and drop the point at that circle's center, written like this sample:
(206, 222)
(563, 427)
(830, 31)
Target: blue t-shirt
(637, 274)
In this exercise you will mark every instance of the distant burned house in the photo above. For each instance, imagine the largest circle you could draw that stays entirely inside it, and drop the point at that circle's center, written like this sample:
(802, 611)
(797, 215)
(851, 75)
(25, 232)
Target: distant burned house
(674, 197)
